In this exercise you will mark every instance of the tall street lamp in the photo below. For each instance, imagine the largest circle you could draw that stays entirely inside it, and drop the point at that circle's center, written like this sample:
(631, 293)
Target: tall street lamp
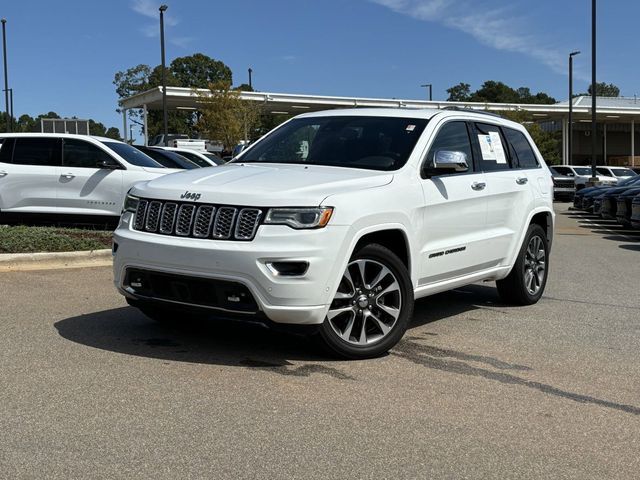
(165, 128)
(6, 78)
(593, 92)
(430, 90)
(569, 149)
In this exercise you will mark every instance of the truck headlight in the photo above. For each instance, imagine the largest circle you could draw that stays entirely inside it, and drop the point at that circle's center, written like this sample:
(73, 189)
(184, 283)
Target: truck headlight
(299, 218)
(130, 203)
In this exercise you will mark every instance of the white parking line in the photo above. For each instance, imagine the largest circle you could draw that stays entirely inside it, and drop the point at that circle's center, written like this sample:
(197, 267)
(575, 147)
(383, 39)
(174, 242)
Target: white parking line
(586, 218)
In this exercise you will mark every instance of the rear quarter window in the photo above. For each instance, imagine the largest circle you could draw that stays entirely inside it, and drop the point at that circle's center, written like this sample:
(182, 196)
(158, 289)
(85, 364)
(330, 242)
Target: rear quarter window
(520, 146)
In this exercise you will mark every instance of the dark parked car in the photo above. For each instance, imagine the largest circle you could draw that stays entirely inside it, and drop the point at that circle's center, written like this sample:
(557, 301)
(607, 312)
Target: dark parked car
(586, 197)
(167, 158)
(608, 199)
(635, 212)
(564, 187)
(623, 209)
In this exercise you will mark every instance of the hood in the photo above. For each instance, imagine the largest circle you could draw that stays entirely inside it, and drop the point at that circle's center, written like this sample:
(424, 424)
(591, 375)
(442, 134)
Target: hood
(263, 184)
(162, 170)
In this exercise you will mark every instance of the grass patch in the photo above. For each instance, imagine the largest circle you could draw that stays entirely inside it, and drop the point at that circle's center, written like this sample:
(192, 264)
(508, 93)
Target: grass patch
(26, 239)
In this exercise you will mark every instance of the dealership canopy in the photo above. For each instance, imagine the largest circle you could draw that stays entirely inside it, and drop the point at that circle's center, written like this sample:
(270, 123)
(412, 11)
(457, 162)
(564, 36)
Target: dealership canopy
(617, 114)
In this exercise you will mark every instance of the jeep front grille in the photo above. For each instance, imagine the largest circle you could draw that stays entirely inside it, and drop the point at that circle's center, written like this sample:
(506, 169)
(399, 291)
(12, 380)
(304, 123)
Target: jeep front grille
(199, 221)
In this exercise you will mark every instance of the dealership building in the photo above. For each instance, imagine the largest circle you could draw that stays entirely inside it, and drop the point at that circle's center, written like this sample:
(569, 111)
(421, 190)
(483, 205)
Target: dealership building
(617, 132)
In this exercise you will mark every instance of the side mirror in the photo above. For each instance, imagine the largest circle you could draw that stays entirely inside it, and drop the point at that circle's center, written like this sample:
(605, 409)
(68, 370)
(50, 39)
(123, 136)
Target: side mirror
(108, 165)
(448, 161)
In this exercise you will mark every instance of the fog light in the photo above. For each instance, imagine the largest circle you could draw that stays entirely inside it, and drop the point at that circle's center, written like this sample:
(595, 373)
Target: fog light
(288, 269)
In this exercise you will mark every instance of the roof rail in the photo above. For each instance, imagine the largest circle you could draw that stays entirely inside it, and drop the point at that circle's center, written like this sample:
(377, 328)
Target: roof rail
(472, 110)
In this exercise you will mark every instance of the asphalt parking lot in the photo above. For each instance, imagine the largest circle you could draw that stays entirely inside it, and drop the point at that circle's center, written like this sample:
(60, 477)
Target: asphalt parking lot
(477, 389)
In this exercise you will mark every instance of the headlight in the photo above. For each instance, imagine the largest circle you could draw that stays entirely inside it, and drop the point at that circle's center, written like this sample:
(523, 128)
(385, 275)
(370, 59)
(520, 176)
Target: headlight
(299, 217)
(130, 203)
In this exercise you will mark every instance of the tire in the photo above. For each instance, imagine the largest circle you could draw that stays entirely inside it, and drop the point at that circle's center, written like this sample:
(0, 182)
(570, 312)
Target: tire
(366, 320)
(526, 282)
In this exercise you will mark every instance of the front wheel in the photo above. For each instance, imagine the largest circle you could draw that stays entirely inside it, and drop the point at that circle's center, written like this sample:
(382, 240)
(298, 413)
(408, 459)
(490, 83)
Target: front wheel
(525, 283)
(372, 307)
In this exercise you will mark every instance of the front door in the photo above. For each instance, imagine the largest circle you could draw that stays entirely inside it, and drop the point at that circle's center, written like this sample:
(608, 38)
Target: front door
(455, 210)
(84, 186)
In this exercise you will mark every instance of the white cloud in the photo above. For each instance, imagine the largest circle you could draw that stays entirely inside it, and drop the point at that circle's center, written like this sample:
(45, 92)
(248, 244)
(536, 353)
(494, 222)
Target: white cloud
(489, 23)
(150, 9)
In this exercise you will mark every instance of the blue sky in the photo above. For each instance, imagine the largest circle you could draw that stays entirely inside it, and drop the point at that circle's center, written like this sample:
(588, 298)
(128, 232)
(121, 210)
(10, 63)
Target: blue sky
(63, 55)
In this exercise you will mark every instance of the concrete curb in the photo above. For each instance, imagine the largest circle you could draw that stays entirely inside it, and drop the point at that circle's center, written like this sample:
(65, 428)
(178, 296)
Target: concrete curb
(54, 260)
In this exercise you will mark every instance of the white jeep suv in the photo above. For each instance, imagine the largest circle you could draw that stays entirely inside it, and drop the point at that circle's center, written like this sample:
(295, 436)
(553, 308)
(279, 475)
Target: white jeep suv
(69, 175)
(338, 220)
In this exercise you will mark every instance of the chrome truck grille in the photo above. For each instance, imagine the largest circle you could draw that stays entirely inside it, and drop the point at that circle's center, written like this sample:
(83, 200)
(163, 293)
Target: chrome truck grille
(198, 221)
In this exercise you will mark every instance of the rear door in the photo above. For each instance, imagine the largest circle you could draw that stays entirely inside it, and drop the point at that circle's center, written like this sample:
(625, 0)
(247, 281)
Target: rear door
(84, 186)
(509, 191)
(455, 209)
(28, 174)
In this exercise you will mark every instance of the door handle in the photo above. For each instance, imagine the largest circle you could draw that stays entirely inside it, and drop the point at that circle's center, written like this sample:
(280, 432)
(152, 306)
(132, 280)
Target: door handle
(68, 175)
(478, 185)
(3, 173)
(521, 180)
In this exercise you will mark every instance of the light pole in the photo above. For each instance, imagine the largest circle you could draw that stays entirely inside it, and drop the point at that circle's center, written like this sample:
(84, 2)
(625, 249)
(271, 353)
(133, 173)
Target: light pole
(430, 90)
(593, 92)
(569, 149)
(250, 83)
(165, 128)
(6, 77)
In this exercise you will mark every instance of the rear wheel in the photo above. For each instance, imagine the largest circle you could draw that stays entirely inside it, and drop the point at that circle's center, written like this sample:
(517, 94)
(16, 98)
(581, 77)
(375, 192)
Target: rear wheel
(372, 307)
(526, 282)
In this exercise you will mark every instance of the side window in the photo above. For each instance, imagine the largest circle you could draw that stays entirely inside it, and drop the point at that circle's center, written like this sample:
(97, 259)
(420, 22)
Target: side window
(6, 151)
(453, 136)
(37, 151)
(78, 153)
(603, 171)
(521, 148)
(492, 147)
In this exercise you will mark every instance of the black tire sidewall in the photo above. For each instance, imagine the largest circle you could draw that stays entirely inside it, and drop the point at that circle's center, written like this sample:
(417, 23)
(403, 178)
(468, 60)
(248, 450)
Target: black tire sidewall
(341, 348)
(534, 230)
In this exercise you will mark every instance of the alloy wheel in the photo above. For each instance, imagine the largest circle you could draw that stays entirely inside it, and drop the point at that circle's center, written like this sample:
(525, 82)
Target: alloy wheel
(367, 304)
(535, 265)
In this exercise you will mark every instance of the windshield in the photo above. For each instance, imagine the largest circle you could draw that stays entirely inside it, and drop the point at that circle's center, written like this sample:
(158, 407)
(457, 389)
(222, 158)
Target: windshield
(201, 162)
(214, 158)
(132, 155)
(374, 143)
(623, 172)
(582, 170)
(169, 159)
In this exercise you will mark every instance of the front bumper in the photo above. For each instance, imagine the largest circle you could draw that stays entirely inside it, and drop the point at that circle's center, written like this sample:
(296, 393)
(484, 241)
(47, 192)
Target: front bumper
(303, 299)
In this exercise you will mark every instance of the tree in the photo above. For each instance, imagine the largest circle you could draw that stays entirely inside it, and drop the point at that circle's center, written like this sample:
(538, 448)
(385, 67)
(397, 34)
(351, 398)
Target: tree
(199, 71)
(99, 130)
(244, 87)
(459, 93)
(195, 71)
(225, 117)
(605, 90)
(492, 91)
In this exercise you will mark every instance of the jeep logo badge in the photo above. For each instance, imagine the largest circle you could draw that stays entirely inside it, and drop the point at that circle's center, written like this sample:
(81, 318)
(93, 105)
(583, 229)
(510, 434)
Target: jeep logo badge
(190, 195)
